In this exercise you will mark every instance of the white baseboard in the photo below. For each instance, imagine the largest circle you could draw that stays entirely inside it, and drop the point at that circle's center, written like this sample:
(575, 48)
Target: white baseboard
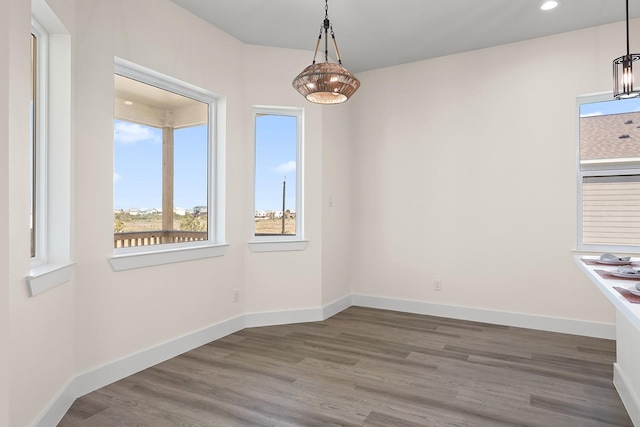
(627, 395)
(284, 317)
(336, 307)
(58, 406)
(551, 324)
(288, 317)
(104, 375)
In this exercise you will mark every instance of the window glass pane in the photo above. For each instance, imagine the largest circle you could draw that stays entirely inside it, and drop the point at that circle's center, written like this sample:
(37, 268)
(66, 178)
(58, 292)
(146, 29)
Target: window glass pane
(138, 177)
(32, 144)
(161, 166)
(275, 174)
(611, 210)
(190, 164)
(610, 131)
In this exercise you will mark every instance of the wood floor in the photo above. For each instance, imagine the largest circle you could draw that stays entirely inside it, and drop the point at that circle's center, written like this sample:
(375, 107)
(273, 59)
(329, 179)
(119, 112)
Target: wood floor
(367, 367)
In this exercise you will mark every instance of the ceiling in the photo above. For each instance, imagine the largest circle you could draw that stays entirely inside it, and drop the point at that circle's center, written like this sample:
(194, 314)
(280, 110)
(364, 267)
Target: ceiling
(374, 34)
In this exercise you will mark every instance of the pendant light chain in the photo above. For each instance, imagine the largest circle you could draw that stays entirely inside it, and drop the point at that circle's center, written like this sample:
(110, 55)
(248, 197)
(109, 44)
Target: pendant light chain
(326, 24)
(627, 27)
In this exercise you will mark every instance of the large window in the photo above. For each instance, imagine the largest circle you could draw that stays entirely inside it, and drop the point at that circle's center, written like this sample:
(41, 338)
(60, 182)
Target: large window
(164, 163)
(609, 174)
(278, 174)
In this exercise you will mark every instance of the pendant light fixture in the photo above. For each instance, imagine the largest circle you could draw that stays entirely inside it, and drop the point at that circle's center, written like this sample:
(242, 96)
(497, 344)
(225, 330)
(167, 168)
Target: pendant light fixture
(326, 82)
(623, 71)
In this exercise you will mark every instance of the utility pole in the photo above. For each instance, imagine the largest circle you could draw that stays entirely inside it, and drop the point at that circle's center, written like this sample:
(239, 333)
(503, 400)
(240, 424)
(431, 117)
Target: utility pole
(284, 192)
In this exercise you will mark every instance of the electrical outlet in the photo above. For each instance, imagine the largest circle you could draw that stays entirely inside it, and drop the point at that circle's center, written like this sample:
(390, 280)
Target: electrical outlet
(236, 295)
(437, 285)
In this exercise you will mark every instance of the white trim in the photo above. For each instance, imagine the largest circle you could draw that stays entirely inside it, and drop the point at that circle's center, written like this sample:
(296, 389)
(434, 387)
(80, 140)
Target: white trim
(215, 163)
(40, 145)
(148, 76)
(59, 406)
(299, 114)
(519, 320)
(598, 162)
(627, 394)
(167, 256)
(335, 307)
(600, 167)
(48, 277)
(284, 317)
(52, 265)
(41, 11)
(279, 246)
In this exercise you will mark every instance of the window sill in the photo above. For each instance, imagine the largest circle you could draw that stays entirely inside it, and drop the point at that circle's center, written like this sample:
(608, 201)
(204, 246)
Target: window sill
(48, 277)
(621, 250)
(278, 246)
(149, 259)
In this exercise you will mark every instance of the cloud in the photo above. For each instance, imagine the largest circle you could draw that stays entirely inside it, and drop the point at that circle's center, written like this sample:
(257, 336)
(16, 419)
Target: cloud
(130, 133)
(116, 177)
(289, 166)
(595, 113)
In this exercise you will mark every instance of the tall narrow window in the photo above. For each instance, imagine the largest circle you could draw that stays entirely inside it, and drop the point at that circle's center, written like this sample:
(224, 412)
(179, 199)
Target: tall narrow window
(609, 175)
(278, 204)
(163, 173)
(32, 144)
(38, 145)
(50, 148)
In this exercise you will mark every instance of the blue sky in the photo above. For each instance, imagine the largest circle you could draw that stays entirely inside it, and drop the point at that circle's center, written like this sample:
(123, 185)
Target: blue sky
(276, 144)
(613, 106)
(138, 164)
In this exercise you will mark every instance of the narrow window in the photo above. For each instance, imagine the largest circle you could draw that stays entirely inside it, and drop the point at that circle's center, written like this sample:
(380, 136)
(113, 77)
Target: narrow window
(32, 143)
(38, 145)
(50, 151)
(278, 207)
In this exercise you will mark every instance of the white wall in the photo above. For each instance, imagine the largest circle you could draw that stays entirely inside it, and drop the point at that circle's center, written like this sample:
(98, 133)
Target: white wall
(41, 337)
(338, 161)
(5, 43)
(466, 173)
(277, 281)
(121, 313)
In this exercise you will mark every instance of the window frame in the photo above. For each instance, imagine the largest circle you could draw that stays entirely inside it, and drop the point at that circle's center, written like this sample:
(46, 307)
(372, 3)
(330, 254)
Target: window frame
(40, 146)
(53, 265)
(599, 169)
(145, 256)
(281, 242)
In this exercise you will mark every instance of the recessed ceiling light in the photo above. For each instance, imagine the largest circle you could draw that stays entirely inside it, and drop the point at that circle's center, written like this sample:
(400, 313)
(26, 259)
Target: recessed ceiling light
(548, 5)
(128, 103)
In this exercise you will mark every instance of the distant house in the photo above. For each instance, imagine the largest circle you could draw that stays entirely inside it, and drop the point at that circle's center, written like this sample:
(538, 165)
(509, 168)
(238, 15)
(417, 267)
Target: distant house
(261, 215)
(200, 210)
(134, 212)
(180, 211)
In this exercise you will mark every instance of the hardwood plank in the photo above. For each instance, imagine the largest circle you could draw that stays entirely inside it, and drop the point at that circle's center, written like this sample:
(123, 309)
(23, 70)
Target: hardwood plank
(368, 367)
